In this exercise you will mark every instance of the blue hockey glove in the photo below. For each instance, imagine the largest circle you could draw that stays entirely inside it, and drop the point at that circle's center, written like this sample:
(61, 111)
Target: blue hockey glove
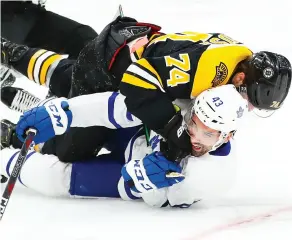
(152, 172)
(52, 118)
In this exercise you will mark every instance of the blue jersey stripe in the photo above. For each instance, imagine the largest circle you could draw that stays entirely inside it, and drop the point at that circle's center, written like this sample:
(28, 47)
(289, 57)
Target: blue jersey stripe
(129, 116)
(9, 162)
(111, 104)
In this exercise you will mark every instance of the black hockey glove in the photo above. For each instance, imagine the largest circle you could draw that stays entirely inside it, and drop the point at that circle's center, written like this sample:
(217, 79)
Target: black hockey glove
(177, 144)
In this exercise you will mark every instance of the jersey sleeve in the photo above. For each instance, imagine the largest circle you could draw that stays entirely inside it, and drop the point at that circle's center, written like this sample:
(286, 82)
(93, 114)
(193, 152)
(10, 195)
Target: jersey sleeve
(145, 95)
(106, 109)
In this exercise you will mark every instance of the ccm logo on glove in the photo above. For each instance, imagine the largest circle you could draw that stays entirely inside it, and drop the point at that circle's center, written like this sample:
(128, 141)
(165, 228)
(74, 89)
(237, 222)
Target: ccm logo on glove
(54, 109)
(152, 172)
(139, 175)
(57, 112)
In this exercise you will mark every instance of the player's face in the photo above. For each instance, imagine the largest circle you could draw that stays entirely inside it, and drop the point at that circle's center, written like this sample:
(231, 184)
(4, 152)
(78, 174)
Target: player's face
(202, 137)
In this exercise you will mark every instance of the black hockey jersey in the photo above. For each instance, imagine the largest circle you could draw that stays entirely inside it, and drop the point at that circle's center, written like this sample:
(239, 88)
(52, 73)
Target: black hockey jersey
(175, 66)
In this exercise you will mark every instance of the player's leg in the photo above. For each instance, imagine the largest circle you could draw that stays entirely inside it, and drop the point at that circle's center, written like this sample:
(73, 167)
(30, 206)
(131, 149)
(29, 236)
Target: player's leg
(60, 34)
(39, 65)
(78, 143)
(97, 177)
(42, 173)
(32, 25)
(45, 174)
(17, 19)
(85, 143)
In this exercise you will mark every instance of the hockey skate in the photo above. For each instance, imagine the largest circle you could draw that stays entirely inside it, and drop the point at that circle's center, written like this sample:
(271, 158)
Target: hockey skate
(18, 99)
(11, 52)
(6, 76)
(8, 135)
(7, 130)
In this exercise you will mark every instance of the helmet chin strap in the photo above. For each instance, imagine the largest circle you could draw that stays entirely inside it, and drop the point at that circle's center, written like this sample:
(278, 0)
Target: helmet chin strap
(220, 141)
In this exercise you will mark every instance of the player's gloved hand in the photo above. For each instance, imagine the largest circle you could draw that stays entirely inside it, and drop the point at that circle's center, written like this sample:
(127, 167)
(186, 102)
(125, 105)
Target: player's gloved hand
(152, 172)
(178, 143)
(52, 118)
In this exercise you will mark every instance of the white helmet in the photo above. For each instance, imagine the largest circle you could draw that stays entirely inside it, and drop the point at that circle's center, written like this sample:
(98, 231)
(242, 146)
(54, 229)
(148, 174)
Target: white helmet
(220, 108)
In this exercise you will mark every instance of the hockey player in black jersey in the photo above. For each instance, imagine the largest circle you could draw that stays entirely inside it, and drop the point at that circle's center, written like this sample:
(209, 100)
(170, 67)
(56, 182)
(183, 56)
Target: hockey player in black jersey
(90, 75)
(153, 69)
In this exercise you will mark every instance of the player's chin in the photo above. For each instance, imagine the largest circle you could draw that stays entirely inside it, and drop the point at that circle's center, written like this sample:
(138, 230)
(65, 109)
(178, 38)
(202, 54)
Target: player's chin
(199, 153)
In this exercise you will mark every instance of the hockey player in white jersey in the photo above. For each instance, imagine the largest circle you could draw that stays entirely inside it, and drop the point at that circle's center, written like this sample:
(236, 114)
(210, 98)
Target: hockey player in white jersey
(211, 120)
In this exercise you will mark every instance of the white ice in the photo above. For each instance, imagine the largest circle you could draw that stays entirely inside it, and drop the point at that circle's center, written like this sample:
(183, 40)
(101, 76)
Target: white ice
(261, 198)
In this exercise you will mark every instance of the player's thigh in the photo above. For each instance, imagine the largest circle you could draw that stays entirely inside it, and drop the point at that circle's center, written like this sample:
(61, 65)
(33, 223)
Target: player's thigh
(60, 34)
(98, 177)
(18, 19)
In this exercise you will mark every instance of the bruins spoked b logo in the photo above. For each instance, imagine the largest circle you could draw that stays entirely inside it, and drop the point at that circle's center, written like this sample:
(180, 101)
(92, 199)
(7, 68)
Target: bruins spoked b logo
(221, 74)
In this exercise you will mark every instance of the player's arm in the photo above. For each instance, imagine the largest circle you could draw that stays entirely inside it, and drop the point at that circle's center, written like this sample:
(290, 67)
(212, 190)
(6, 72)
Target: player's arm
(146, 96)
(146, 176)
(55, 116)
(106, 109)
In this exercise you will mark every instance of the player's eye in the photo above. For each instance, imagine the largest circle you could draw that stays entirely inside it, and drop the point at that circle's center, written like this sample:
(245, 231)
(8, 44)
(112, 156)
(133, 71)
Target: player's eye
(208, 134)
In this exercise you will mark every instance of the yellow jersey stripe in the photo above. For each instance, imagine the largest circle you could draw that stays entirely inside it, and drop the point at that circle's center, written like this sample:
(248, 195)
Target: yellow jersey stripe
(145, 75)
(155, 36)
(144, 63)
(32, 62)
(135, 81)
(46, 64)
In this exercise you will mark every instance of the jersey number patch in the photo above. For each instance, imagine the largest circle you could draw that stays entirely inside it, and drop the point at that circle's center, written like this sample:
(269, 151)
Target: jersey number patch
(178, 74)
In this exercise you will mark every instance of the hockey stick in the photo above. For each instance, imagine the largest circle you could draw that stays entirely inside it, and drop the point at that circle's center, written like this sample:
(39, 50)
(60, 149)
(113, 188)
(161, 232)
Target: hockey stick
(16, 171)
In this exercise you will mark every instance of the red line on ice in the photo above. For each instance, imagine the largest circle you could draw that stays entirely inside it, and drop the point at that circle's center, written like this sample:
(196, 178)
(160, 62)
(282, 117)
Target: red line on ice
(227, 226)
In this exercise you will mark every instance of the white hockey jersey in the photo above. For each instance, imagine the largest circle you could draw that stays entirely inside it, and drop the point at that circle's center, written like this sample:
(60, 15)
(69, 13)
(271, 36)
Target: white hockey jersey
(207, 176)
